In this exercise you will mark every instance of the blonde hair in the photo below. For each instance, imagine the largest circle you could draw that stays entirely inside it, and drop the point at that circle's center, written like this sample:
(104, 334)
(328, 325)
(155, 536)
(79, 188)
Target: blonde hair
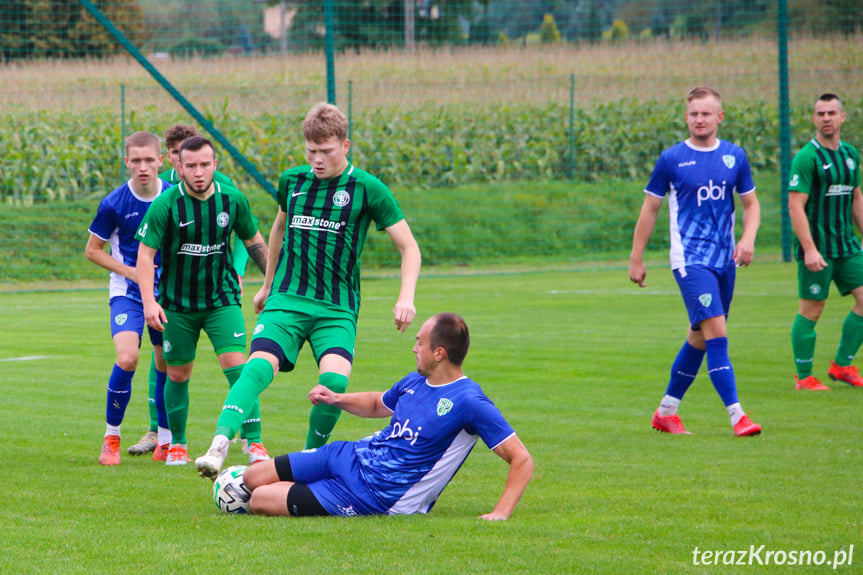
(699, 92)
(143, 139)
(323, 122)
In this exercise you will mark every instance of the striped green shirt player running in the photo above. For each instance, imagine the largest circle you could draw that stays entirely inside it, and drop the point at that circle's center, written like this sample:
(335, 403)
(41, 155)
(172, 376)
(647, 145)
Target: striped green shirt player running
(824, 204)
(312, 287)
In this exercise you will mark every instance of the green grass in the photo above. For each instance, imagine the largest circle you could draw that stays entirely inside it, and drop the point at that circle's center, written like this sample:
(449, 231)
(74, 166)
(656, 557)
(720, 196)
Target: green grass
(577, 361)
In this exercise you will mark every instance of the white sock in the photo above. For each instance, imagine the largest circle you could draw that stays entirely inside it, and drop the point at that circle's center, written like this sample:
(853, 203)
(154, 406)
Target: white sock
(112, 430)
(668, 406)
(164, 436)
(735, 412)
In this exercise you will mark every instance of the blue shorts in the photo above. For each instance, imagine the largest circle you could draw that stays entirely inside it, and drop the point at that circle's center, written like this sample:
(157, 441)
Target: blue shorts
(332, 472)
(706, 292)
(128, 315)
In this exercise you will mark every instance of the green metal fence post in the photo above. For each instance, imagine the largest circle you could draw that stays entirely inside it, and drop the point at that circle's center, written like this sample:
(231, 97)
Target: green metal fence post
(329, 48)
(784, 127)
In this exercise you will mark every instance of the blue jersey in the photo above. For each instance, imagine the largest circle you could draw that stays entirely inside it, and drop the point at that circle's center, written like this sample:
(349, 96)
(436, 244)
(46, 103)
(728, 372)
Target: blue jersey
(432, 431)
(117, 219)
(700, 184)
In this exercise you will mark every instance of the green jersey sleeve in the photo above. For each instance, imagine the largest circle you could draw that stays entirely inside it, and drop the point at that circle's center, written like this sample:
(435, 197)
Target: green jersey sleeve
(151, 232)
(802, 170)
(384, 208)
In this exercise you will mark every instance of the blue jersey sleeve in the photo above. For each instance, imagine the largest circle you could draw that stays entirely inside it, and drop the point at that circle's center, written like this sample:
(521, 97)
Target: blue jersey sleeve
(744, 184)
(488, 422)
(660, 179)
(105, 221)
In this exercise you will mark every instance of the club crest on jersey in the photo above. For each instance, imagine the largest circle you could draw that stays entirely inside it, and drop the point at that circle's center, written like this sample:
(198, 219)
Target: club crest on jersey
(341, 198)
(222, 219)
(728, 161)
(166, 346)
(815, 289)
(705, 299)
(258, 329)
(850, 163)
(795, 180)
(120, 318)
(443, 406)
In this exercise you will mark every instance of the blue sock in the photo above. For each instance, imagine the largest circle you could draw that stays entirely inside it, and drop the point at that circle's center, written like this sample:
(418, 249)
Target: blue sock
(119, 393)
(684, 369)
(161, 376)
(720, 370)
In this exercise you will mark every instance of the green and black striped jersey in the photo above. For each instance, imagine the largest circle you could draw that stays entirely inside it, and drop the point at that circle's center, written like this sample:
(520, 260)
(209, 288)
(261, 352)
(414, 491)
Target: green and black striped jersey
(197, 266)
(326, 228)
(829, 178)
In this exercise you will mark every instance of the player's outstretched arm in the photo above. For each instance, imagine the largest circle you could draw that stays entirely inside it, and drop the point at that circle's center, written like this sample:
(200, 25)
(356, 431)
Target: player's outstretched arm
(857, 208)
(401, 236)
(257, 251)
(361, 404)
(154, 315)
(744, 251)
(520, 462)
(641, 235)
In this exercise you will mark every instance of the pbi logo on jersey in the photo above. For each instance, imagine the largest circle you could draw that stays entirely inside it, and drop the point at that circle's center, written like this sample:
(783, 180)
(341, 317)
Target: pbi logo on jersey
(341, 198)
(443, 406)
(728, 160)
(223, 219)
(850, 163)
(120, 318)
(705, 299)
(711, 192)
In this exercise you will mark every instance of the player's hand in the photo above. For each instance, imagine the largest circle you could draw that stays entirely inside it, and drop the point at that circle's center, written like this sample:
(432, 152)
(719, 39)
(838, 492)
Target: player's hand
(637, 273)
(814, 261)
(322, 394)
(260, 299)
(494, 516)
(744, 251)
(155, 316)
(404, 313)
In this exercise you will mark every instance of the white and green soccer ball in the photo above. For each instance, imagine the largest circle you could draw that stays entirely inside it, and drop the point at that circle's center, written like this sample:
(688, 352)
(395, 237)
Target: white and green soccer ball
(230, 492)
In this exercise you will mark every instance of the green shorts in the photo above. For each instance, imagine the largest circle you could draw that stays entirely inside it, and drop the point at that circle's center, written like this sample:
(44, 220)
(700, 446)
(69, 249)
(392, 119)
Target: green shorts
(846, 273)
(282, 332)
(225, 327)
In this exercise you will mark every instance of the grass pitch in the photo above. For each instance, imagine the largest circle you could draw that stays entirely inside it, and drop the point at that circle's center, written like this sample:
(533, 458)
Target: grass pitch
(577, 361)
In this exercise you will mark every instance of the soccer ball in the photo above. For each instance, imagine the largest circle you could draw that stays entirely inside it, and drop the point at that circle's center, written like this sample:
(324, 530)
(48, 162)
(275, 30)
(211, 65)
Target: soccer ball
(230, 493)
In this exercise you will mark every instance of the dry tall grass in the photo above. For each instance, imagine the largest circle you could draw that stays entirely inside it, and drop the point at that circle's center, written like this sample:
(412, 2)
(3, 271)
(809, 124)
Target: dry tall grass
(650, 70)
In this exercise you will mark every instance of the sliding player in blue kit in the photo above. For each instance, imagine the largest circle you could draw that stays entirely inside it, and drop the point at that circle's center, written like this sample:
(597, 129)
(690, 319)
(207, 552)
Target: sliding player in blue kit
(700, 177)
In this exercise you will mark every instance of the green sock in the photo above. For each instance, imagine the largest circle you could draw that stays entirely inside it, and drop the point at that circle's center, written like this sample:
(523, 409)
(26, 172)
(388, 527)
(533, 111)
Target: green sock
(251, 429)
(852, 338)
(323, 418)
(243, 398)
(803, 345)
(177, 408)
(151, 397)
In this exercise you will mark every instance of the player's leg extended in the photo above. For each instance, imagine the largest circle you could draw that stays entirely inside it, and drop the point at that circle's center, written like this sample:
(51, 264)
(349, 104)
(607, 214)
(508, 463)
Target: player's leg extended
(177, 401)
(151, 397)
(334, 373)
(119, 393)
(179, 346)
(849, 279)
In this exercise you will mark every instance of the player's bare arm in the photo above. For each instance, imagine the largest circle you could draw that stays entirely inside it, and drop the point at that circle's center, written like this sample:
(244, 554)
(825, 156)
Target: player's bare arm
(857, 208)
(362, 404)
(812, 258)
(744, 251)
(277, 237)
(520, 462)
(257, 251)
(401, 236)
(643, 230)
(95, 252)
(154, 315)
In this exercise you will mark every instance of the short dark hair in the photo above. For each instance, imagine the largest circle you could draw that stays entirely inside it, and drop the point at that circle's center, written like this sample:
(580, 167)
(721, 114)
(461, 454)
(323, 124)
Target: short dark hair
(828, 97)
(179, 133)
(450, 332)
(142, 140)
(699, 92)
(196, 143)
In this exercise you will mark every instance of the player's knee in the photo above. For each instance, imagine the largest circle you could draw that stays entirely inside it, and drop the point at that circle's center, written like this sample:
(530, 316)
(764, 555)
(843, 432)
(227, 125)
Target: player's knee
(127, 361)
(336, 382)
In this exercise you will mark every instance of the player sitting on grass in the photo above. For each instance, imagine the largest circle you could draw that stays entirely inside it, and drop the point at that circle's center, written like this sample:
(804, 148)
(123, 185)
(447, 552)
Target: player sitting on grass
(436, 416)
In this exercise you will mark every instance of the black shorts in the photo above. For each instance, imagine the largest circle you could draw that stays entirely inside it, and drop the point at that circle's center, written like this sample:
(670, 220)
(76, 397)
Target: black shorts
(301, 501)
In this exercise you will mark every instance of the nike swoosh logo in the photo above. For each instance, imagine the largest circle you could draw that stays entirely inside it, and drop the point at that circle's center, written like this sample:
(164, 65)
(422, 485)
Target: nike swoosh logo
(826, 166)
(239, 334)
(295, 194)
(184, 224)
